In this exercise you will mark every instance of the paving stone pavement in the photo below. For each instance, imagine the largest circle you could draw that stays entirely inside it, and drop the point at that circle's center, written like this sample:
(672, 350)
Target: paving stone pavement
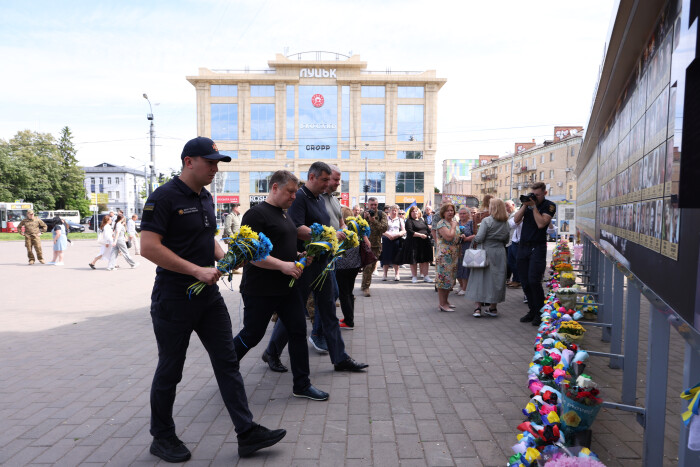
(77, 355)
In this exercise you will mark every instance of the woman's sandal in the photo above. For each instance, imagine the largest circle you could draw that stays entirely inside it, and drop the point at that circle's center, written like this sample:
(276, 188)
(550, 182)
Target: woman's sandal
(477, 313)
(493, 312)
(440, 308)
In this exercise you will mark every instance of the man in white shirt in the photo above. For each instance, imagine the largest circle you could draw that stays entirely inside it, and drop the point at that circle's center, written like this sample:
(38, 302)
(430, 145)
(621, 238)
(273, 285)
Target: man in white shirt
(512, 247)
(132, 235)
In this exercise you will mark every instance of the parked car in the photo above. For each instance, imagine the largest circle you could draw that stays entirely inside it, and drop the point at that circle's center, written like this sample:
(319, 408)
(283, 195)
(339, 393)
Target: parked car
(72, 226)
(85, 220)
(92, 221)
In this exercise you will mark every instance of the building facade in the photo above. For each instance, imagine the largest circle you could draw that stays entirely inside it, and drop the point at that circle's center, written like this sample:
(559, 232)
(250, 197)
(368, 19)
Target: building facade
(551, 162)
(321, 106)
(123, 187)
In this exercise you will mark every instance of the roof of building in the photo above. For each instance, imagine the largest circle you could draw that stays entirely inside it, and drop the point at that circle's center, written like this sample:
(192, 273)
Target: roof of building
(110, 168)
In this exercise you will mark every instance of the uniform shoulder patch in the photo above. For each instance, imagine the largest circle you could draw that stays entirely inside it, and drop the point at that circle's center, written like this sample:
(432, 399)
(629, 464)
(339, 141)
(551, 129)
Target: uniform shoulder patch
(149, 206)
(551, 208)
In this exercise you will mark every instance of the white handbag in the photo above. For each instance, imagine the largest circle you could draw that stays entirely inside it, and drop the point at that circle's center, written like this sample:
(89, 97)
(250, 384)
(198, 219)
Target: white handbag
(475, 258)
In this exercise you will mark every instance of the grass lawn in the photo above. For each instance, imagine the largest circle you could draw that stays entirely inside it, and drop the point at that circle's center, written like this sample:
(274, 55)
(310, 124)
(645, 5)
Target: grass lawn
(73, 236)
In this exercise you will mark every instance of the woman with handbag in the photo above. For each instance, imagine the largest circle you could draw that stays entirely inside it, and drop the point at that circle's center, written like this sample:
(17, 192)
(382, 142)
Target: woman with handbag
(488, 284)
(391, 242)
(447, 256)
(417, 251)
(466, 236)
(105, 240)
(120, 244)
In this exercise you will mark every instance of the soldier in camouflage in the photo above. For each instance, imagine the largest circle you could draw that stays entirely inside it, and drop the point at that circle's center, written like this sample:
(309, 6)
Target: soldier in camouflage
(31, 229)
(378, 224)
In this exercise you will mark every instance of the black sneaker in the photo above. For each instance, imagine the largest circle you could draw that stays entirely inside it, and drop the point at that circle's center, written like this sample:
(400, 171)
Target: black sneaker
(257, 438)
(312, 393)
(350, 365)
(527, 318)
(170, 449)
(273, 361)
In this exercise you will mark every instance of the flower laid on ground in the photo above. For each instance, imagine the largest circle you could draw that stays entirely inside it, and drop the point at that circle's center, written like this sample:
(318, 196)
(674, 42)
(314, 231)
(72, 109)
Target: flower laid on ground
(567, 279)
(351, 241)
(570, 330)
(323, 240)
(246, 245)
(563, 267)
(359, 226)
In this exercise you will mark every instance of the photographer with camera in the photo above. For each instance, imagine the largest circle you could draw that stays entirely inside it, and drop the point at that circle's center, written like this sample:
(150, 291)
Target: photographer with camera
(378, 224)
(535, 214)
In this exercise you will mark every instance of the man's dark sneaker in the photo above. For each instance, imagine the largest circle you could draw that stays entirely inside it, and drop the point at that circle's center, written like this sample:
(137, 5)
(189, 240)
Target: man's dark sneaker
(170, 449)
(343, 325)
(536, 322)
(524, 299)
(527, 318)
(312, 393)
(350, 365)
(257, 438)
(318, 343)
(273, 361)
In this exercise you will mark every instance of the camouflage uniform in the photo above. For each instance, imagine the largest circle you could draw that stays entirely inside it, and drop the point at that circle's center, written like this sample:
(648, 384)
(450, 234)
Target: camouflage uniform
(377, 227)
(33, 228)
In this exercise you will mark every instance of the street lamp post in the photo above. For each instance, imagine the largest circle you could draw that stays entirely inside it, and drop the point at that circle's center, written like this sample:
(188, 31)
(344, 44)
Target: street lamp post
(153, 147)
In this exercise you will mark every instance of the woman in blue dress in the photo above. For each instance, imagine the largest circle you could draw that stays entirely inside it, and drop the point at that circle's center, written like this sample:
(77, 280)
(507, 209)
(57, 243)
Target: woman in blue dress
(60, 242)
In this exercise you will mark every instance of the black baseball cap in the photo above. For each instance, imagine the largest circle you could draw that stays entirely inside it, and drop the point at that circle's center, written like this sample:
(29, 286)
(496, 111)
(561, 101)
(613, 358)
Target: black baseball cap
(203, 147)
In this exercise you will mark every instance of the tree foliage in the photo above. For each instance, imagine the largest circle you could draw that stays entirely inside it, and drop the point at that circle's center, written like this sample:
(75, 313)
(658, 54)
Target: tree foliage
(38, 169)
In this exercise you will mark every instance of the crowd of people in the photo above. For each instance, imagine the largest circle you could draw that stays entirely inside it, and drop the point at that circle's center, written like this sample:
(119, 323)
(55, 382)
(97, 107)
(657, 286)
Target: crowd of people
(115, 236)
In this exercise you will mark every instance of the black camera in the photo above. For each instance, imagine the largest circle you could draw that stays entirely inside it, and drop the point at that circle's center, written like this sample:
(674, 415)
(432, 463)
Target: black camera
(371, 212)
(528, 197)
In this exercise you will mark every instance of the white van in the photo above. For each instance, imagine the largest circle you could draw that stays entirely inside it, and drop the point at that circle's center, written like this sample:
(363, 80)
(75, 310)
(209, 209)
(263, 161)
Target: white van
(68, 215)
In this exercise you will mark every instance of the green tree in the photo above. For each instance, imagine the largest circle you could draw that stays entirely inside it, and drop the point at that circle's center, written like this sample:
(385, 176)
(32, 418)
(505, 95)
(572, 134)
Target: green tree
(437, 190)
(72, 191)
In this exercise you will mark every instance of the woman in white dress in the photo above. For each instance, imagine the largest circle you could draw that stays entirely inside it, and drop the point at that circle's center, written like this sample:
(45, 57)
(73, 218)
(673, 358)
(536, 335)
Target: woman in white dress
(105, 239)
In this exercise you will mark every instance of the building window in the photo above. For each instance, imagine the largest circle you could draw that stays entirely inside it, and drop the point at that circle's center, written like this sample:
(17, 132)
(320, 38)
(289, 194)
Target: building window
(231, 182)
(572, 151)
(571, 192)
(224, 122)
(410, 123)
(102, 181)
(262, 121)
(345, 154)
(345, 182)
(372, 155)
(551, 156)
(116, 180)
(409, 182)
(290, 154)
(109, 195)
(551, 173)
(224, 90)
(375, 180)
(410, 155)
(345, 113)
(542, 159)
(262, 91)
(411, 92)
(231, 154)
(541, 175)
(290, 112)
(262, 154)
(372, 91)
(259, 182)
(109, 180)
(116, 196)
(372, 126)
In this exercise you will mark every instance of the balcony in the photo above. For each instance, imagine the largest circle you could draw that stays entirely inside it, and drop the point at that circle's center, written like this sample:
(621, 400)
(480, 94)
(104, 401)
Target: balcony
(528, 168)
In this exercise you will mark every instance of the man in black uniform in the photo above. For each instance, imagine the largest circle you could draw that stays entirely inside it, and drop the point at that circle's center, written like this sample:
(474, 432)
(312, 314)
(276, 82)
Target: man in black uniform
(535, 215)
(265, 284)
(308, 208)
(178, 227)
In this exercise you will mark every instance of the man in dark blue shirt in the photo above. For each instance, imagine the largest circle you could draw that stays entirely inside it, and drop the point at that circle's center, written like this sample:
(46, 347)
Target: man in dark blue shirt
(265, 285)
(535, 215)
(308, 208)
(177, 234)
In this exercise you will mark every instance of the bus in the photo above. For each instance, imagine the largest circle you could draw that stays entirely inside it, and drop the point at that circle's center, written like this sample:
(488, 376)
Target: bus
(11, 214)
(67, 215)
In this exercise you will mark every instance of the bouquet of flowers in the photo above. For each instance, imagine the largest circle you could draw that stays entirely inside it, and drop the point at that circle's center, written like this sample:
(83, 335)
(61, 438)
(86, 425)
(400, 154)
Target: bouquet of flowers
(570, 331)
(358, 225)
(323, 240)
(563, 267)
(246, 245)
(351, 241)
(580, 404)
(567, 279)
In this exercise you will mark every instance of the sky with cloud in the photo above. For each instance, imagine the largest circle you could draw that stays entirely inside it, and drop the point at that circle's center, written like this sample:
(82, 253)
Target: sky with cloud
(514, 69)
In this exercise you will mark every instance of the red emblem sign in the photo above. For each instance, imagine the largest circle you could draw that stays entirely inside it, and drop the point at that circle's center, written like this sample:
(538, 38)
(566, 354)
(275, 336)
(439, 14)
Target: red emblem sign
(317, 100)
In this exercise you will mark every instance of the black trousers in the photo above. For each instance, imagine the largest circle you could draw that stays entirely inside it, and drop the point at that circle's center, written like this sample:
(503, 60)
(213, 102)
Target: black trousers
(532, 261)
(346, 283)
(325, 303)
(256, 316)
(173, 323)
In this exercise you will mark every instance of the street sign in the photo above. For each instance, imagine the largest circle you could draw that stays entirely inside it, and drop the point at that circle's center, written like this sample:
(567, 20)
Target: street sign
(99, 198)
(93, 207)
